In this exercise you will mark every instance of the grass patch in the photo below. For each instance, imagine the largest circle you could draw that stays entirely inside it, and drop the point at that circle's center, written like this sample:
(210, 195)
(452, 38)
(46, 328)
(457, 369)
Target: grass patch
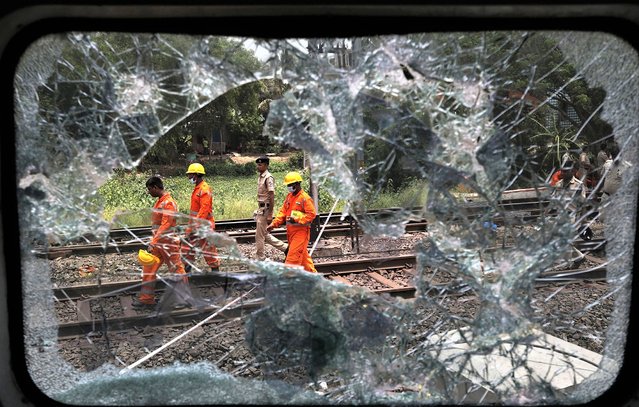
(234, 197)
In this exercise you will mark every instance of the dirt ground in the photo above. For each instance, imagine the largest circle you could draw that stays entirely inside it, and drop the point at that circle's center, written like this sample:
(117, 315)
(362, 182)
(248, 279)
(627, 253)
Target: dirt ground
(238, 158)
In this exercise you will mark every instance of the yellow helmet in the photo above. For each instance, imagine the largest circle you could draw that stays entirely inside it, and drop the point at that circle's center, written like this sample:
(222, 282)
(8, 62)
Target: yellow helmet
(147, 259)
(196, 168)
(292, 177)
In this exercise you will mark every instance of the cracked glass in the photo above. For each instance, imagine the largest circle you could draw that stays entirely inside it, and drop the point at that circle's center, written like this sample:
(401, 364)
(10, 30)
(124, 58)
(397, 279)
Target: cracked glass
(494, 139)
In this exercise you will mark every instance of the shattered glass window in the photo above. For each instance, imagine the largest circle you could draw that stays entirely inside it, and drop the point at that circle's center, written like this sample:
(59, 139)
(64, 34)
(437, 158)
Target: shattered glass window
(516, 152)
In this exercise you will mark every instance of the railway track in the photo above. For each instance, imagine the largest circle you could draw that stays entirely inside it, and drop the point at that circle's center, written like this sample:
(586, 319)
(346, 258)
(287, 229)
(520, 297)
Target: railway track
(531, 205)
(351, 272)
(137, 237)
(375, 270)
(243, 236)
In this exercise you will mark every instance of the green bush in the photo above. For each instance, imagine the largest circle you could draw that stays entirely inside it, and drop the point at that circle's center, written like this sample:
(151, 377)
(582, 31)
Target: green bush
(296, 160)
(280, 166)
(229, 169)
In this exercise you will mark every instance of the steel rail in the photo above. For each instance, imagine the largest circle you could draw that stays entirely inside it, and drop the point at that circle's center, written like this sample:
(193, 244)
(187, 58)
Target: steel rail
(520, 204)
(331, 270)
(326, 268)
(188, 316)
(240, 237)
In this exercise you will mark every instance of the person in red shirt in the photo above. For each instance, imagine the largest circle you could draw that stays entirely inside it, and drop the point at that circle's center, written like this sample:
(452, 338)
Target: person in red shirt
(556, 177)
(201, 222)
(164, 244)
(298, 211)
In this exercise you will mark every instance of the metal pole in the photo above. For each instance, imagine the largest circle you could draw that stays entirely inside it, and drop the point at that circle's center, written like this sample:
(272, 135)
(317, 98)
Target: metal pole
(315, 195)
(323, 227)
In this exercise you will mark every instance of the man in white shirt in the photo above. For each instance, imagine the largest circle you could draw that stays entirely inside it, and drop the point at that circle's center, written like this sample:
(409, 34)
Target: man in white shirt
(612, 174)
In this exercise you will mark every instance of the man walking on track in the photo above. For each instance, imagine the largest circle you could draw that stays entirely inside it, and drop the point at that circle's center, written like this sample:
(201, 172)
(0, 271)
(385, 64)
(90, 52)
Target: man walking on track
(264, 213)
(298, 211)
(201, 222)
(164, 245)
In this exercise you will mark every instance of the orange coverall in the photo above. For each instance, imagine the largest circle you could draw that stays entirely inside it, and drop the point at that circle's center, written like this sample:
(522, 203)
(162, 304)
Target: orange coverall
(298, 231)
(201, 214)
(166, 246)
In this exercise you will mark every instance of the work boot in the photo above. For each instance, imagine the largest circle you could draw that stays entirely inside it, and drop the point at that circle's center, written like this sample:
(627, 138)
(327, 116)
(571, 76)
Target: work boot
(286, 252)
(187, 268)
(215, 269)
(586, 234)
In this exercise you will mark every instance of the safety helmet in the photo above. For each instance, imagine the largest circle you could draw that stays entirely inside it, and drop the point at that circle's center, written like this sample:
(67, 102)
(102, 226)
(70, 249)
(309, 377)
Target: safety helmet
(196, 168)
(292, 177)
(147, 259)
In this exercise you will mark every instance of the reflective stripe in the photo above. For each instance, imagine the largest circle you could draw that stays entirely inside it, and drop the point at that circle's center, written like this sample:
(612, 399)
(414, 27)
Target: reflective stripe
(208, 217)
(297, 224)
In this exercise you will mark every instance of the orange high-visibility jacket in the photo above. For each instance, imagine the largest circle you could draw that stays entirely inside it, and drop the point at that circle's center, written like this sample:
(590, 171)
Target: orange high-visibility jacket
(201, 206)
(556, 177)
(163, 217)
(301, 202)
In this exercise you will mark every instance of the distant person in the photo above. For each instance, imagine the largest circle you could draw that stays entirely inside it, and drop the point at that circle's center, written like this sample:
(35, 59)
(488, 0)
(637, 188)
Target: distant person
(264, 213)
(164, 244)
(585, 172)
(201, 222)
(568, 179)
(566, 171)
(555, 178)
(602, 157)
(298, 211)
(613, 168)
(573, 189)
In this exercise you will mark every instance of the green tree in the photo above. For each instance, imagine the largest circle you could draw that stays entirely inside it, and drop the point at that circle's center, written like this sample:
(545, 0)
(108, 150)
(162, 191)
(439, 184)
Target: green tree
(546, 104)
(236, 116)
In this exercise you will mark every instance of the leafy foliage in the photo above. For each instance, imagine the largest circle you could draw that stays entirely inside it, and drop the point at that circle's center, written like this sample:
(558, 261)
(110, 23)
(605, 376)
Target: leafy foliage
(560, 113)
(235, 118)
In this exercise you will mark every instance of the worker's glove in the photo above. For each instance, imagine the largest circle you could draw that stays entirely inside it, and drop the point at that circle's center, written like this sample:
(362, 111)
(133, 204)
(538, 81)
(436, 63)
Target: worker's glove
(150, 248)
(269, 227)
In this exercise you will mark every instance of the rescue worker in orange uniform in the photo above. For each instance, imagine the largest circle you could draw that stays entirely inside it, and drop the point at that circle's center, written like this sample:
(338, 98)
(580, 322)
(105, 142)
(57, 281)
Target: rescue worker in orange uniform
(201, 221)
(164, 244)
(298, 211)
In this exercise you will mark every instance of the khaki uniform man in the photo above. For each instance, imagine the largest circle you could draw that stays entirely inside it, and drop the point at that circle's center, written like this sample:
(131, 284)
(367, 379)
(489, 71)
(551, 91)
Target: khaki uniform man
(264, 213)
